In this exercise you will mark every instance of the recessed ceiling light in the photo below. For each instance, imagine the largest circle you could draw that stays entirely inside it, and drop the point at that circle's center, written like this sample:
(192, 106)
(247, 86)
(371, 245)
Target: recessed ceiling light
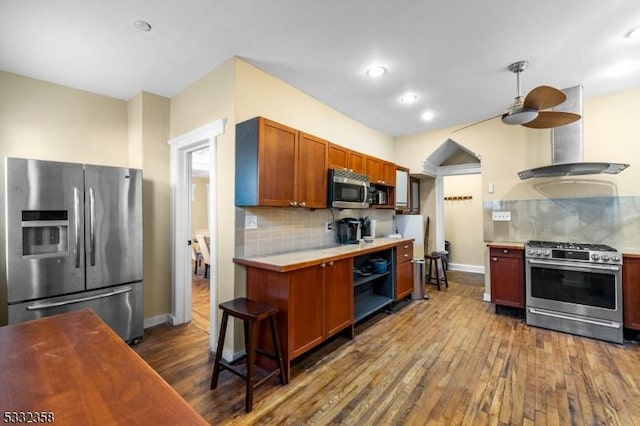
(634, 33)
(376, 71)
(142, 25)
(427, 115)
(408, 98)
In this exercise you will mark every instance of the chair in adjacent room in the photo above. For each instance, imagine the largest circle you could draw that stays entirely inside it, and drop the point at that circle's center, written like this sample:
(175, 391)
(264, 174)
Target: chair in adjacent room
(203, 242)
(196, 256)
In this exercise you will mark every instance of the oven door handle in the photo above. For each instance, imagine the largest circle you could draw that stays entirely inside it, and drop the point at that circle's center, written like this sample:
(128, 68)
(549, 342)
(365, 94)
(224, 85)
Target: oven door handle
(573, 265)
(604, 323)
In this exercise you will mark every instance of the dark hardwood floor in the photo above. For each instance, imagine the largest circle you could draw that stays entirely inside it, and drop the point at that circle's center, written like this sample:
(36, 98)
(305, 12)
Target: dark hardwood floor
(200, 300)
(446, 360)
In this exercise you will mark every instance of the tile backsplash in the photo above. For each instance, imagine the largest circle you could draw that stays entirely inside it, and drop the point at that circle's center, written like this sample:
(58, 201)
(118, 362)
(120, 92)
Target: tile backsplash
(608, 220)
(289, 229)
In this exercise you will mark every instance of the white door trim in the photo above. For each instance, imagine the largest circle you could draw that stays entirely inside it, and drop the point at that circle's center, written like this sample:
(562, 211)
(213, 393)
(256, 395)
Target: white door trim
(181, 146)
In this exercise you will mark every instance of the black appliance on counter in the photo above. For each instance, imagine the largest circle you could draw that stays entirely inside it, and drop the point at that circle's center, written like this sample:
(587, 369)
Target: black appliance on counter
(348, 230)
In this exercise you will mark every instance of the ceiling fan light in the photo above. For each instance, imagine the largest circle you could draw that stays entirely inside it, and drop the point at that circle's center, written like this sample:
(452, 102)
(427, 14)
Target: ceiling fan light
(519, 115)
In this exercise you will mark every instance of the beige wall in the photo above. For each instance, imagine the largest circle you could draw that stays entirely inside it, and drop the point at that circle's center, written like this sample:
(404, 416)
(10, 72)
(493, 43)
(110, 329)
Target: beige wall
(199, 207)
(260, 94)
(52, 122)
(611, 132)
(156, 194)
(463, 220)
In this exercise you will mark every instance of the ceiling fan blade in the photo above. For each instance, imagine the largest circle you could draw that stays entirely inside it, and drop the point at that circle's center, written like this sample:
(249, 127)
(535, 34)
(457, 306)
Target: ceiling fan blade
(476, 123)
(550, 119)
(543, 97)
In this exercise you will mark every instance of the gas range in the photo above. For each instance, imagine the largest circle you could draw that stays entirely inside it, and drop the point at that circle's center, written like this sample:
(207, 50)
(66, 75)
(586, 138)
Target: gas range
(581, 252)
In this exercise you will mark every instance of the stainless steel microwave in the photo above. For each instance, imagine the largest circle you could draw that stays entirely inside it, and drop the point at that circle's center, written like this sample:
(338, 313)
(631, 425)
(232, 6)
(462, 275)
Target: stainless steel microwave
(348, 190)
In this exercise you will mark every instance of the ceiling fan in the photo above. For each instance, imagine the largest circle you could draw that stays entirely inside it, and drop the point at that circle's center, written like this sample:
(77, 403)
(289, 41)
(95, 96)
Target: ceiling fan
(528, 111)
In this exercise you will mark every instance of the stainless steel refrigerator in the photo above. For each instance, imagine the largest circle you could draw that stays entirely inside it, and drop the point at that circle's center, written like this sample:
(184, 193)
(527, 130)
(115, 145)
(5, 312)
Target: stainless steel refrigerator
(74, 241)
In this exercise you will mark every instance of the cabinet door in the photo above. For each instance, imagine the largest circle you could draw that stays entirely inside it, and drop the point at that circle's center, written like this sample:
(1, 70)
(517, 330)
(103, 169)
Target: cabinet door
(305, 309)
(404, 279)
(338, 292)
(311, 172)
(388, 173)
(338, 157)
(277, 157)
(356, 162)
(373, 169)
(631, 292)
(507, 279)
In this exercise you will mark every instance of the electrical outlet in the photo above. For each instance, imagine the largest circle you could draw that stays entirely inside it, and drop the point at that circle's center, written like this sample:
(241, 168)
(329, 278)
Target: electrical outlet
(251, 222)
(501, 216)
(328, 226)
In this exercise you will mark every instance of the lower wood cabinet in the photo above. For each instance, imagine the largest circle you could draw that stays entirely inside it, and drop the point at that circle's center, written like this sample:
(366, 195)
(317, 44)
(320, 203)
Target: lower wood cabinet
(404, 270)
(507, 277)
(338, 296)
(314, 303)
(631, 291)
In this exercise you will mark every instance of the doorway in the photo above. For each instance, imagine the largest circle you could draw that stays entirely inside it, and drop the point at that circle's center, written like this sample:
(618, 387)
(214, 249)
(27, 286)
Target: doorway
(181, 149)
(201, 260)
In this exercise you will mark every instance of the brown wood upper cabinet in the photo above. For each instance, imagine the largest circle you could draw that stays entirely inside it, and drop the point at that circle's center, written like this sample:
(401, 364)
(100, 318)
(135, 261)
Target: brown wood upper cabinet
(380, 172)
(279, 166)
(344, 158)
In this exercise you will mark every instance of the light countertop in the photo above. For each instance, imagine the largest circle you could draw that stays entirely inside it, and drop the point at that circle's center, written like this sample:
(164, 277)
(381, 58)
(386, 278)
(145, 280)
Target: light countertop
(288, 261)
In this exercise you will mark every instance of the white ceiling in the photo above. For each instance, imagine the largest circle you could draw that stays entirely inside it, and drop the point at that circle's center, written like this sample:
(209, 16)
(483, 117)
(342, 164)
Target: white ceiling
(454, 54)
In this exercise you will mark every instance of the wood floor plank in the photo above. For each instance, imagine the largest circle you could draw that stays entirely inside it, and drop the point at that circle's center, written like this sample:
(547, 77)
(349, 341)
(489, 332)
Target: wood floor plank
(449, 360)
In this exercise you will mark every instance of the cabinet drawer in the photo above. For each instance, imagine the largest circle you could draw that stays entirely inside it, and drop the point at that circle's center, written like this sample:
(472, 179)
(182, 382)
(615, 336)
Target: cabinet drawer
(404, 252)
(506, 252)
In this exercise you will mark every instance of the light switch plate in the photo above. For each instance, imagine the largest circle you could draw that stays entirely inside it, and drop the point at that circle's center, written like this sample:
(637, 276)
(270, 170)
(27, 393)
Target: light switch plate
(501, 216)
(251, 222)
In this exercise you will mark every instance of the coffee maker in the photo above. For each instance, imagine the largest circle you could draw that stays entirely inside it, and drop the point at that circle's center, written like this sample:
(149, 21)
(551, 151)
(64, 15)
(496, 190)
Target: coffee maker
(348, 230)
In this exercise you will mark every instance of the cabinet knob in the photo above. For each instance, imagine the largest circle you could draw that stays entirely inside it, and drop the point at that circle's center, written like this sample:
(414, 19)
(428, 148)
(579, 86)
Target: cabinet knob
(302, 204)
(322, 265)
(495, 259)
(505, 251)
(293, 204)
(406, 246)
(406, 255)
(331, 263)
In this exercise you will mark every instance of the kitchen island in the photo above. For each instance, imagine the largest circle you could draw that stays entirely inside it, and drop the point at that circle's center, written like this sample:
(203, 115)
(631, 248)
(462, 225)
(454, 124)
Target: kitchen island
(73, 369)
(320, 292)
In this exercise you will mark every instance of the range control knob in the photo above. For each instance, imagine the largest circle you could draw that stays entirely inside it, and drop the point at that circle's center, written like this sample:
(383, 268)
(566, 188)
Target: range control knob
(615, 258)
(547, 253)
(531, 252)
(605, 257)
(538, 252)
(595, 256)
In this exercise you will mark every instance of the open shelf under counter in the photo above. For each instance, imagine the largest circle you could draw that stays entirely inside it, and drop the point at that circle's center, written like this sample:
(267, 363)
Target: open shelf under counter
(368, 304)
(368, 278)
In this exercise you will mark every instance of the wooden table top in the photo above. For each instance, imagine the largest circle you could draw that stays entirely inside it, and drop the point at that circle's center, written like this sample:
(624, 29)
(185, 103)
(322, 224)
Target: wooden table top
(76, 368)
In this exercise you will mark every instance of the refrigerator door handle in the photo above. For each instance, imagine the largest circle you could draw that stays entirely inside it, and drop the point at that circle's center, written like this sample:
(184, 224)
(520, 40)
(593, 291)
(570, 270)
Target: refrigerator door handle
(78, 300)
(76, 225)
(92, 228)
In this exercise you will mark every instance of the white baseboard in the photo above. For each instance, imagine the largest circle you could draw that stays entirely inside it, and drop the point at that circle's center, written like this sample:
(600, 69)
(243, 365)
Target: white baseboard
(466, 268)
(157, 320)
(486, 297)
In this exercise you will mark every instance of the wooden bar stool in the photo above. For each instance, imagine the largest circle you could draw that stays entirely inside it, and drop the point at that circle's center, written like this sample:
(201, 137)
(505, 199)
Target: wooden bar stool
(250, 313)
(433, 263)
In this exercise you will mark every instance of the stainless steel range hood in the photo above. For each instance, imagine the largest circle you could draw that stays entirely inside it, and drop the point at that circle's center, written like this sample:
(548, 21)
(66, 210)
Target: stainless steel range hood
(567, 146)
